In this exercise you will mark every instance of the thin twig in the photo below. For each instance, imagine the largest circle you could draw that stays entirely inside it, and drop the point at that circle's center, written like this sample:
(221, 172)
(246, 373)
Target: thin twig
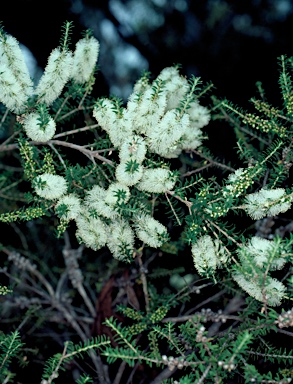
(74, 111)
(215, 163)
(144, 281)
(119, 373)
(89, 153)
(186, 202)
(4, 117)
(77, 130)
(58, 154)
(85, 151)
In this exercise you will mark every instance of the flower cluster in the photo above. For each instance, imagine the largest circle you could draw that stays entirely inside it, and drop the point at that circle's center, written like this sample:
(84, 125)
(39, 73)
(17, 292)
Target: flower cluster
(153, 121)
(98, 219)
(285, 319)
(162, 118)
(154, 112)
(91, 231)
(63, 65)
(272, 293)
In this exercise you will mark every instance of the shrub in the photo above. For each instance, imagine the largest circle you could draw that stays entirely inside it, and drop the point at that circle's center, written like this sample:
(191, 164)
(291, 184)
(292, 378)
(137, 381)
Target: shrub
(139, 188)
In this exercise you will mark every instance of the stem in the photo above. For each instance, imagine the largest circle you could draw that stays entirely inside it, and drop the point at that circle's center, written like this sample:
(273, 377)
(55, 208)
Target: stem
(144, 282)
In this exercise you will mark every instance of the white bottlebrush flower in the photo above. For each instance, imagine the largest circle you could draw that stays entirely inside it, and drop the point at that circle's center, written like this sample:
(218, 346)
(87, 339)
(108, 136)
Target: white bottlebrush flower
(55, 76)
(265, 253)
(117, 193)
(84, 59)
(91, 231)
(157, 180)
(133, 103)
(199, 115)
(104, 114)
(95, 199)
(149, 111)
(271, 293)
(70, 205)
(11, 95)
(121, 240)
(133, 148)
(128, 175)
(37, 132)
(207, 255)
(176, 86)
(12, 57)
(116, 124)
(191, 139)
(164, 138)
(267, 203)
(150, 231)
(120, 131)
(235, 176)
(50, 186)
(141, 85)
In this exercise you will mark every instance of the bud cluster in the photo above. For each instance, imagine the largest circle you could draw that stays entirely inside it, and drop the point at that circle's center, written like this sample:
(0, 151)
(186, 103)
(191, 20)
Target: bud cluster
(174, 362)
(285, 319)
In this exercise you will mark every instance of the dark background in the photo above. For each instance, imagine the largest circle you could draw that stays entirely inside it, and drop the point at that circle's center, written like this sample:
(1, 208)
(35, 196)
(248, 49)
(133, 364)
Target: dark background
(231, 43)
